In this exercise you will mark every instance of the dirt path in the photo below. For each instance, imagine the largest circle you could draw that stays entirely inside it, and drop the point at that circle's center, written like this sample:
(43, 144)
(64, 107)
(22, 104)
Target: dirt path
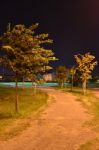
(59, 127)
(96, 92)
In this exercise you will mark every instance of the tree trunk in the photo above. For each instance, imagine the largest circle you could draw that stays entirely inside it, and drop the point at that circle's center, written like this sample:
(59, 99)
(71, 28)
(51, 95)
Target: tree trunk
(16, 99)
(35, 87)
(84, 86)
(32, 83)
(23, 83)
(62, 84)
(72, 83)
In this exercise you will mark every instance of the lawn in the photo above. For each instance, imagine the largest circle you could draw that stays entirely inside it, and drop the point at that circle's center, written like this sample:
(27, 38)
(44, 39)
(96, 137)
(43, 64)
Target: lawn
(30, 101)
(91, 103)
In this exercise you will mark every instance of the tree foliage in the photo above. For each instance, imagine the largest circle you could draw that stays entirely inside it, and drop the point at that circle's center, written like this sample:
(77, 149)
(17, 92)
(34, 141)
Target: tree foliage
(61, 75)
(85, 64)
(23, 51)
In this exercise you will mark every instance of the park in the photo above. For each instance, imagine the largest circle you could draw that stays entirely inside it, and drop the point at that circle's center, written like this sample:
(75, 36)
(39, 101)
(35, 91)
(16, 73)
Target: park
(38, 114)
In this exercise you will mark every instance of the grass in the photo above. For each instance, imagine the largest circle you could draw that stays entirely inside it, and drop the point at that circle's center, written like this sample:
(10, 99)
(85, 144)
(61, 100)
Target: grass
(29, 102)
(91, 103)
(90, 145)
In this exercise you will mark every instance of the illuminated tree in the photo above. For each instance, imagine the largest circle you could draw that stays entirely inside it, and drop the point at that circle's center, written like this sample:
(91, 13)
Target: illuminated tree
(61, 75)
(86, 65)
(22, 52)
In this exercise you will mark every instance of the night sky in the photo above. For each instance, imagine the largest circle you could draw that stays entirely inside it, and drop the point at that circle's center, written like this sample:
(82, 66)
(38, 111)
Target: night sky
(72, 24)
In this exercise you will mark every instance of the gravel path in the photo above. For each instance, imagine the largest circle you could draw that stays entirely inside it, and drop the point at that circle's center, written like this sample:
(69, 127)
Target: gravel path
(58, 127)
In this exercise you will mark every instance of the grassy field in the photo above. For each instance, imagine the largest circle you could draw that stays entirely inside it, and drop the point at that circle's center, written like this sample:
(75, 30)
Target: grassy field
(91, 103)
(29, 102)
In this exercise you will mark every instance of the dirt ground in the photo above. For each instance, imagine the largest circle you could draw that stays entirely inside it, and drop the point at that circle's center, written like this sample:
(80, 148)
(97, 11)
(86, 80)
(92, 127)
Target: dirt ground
(96, 92)
(59, 127)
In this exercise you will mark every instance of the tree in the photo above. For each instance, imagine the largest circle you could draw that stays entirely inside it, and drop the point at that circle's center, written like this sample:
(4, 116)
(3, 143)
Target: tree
(77, 78)
(22, 52)
(61, 75)
(72, 73)
(85, 64)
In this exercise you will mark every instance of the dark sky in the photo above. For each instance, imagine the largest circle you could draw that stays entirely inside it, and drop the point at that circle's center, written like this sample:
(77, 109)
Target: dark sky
(72, 24)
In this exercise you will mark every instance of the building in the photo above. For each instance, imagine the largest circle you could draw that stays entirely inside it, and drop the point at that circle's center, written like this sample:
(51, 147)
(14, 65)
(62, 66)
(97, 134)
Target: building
(49, 77)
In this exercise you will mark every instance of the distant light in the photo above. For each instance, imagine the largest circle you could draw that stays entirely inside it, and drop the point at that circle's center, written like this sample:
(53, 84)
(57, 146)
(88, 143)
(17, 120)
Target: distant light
(54, 58)
(0, 77)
